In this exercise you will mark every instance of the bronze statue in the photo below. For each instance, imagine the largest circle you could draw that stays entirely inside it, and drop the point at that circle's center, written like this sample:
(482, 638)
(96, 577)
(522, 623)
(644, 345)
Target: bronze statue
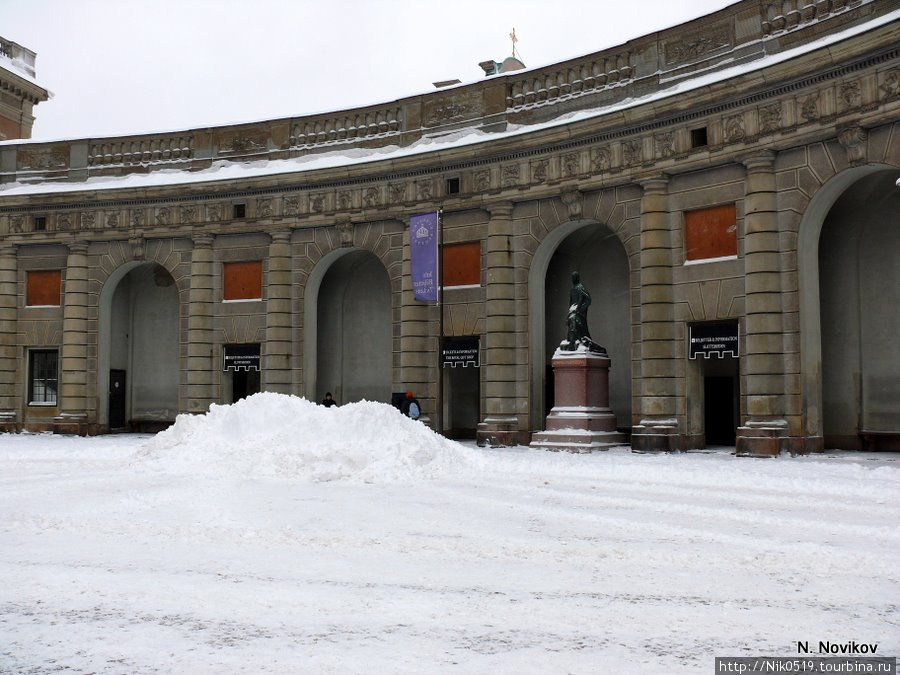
(576, 321)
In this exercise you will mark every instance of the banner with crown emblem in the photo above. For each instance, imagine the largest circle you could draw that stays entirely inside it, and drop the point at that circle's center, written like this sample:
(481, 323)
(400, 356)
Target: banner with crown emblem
(423, 256)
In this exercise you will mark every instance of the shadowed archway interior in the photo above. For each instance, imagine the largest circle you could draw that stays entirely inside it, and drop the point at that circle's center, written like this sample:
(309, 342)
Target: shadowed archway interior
(353, 345)
(139, 348)
(598, 255)
(859, 286)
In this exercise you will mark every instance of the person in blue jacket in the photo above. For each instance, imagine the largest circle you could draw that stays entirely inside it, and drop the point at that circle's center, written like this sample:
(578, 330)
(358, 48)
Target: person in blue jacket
(410, 406)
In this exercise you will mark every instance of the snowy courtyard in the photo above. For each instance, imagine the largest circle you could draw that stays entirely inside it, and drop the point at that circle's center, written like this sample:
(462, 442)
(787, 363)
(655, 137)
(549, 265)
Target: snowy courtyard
(276, 536)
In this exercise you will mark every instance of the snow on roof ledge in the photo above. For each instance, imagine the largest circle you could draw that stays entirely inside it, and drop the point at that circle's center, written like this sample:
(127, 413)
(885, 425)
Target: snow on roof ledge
(224, 169)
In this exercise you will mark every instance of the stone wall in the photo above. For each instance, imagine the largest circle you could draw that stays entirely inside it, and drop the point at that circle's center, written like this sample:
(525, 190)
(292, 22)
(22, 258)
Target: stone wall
(773, 141)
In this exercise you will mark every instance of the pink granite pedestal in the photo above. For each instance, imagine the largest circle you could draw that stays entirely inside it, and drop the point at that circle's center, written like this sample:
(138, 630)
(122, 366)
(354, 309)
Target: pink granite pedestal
(581, 419)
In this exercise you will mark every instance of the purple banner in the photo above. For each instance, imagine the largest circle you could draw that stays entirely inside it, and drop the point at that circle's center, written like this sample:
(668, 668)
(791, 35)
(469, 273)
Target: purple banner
(423, 256)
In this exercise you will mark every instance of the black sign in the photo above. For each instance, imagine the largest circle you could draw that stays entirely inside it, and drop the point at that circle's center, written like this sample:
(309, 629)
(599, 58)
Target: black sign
(713, 339)
(241, 357)
(460, 351)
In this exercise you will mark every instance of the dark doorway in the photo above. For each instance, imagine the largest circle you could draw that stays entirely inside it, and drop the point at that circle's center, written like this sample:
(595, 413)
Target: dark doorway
(117, 401)
(721, 401)
(461, 391)
(549, 391)
(244, 383)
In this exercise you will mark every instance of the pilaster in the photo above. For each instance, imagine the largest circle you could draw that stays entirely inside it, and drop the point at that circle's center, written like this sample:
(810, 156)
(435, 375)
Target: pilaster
(658, 427)
(200, 366)
(503, 423)
(277, 368)
(73, 357)
(765, 431)
(8, 327)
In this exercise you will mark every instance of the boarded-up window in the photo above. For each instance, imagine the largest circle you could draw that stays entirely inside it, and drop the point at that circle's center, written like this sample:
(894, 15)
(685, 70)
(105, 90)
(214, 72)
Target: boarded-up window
(710, 233)
(43, 287)
(243, 280)
(461, 264)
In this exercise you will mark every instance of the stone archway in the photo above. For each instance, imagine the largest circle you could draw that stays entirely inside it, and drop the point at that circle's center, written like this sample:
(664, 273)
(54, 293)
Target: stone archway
(139, 356)
(848, 260)
(599, 256)
(348, 328)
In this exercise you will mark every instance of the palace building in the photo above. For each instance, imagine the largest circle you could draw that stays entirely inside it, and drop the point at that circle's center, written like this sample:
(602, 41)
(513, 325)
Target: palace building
(727, 189)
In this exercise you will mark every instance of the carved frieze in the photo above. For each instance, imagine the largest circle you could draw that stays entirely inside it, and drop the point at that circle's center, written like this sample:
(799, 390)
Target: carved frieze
(571, 164)
(849, 95)
(264, 208)
(481, 180)
(697, 45)
(317, 202)
(43, 159)
(241, 142)
(770, 118)
(734, 129)
(214, 212)
(292, 206)
(539, 170)
(87, 220)
(632, 152)
(64, 222)
(423, 189)
(809, 108)
(438, 110)
(890, 84)
(509, 175)
(17, 223)
(371, 197)
(664, 144)
(187, 213)
(601, 159)
(396, 192)
(112, 219)
(344, 200)
(162, 216)
(136, 217)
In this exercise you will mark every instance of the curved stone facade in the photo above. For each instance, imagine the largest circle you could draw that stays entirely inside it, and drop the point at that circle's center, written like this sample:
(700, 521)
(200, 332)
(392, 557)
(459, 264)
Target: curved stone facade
(691, 174)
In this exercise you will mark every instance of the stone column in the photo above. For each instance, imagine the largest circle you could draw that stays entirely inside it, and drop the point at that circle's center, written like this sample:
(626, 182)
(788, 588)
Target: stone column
(277, 367)
(658, 428)
(200, 366)
(765, 432)
(73, 357)
(504, 422)
(8, 345)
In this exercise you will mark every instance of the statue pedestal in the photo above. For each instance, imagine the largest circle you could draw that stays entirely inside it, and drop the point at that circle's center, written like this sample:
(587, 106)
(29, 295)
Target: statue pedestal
(581, 419)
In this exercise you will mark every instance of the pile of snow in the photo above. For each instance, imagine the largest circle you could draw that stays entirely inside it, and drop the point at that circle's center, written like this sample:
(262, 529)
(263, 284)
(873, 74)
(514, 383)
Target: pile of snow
(275, 435)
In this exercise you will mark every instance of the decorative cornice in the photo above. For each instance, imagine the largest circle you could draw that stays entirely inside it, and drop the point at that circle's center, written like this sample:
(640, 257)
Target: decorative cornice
(612, 157)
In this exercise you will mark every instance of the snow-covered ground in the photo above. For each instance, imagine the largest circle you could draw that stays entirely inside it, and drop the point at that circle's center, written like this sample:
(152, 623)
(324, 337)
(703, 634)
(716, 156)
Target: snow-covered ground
(275, 536)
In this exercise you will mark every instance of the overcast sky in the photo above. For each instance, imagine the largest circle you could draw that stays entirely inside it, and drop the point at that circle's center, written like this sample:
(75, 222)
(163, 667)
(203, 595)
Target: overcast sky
(131, 66)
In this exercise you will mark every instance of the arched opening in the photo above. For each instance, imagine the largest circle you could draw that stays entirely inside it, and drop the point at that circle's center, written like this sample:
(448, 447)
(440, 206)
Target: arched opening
(598, 255)
(139, 349)
(859, 293)
(350, 296)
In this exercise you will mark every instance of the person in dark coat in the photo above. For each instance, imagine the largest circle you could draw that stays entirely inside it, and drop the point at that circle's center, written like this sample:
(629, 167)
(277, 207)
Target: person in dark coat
(328, 401)
(410, 406)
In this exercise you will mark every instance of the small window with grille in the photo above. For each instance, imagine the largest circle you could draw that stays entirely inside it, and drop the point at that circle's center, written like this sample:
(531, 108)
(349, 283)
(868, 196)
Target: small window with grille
(43, 376)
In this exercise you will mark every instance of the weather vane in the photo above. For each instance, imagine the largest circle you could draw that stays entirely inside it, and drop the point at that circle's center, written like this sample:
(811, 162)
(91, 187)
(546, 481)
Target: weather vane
(512, 36)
